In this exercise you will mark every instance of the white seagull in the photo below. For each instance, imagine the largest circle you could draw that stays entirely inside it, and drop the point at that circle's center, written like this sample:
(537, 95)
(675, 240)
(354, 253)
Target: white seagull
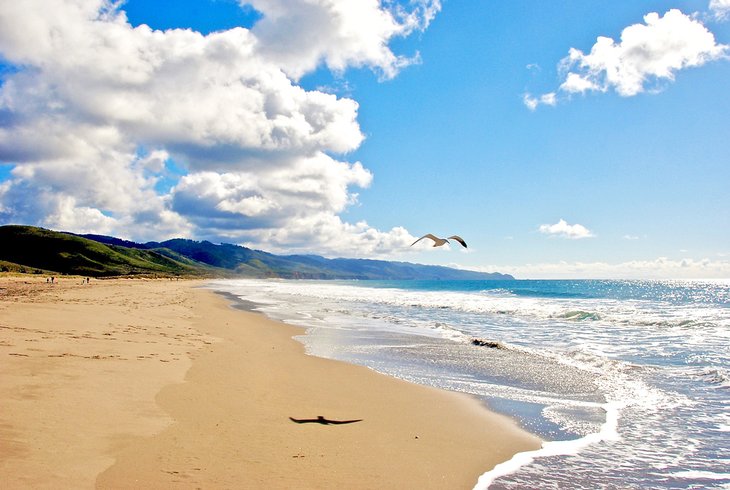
(437, 242)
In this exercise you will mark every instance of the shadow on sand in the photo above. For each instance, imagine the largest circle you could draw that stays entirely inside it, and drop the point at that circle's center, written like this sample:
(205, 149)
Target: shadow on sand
(323, 421)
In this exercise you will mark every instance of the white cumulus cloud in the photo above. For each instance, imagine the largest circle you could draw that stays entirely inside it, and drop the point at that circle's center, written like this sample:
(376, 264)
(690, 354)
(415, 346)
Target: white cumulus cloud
(720, 8)
(646, 55)
(565, 230)
(300, 35)
(95, 110)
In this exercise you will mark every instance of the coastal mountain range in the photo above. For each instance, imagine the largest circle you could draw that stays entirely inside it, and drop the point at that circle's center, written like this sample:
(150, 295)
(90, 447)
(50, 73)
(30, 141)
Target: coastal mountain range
(38, 250)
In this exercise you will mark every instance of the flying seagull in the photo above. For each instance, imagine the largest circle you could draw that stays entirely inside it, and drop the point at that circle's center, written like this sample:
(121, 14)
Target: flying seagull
(437, 242)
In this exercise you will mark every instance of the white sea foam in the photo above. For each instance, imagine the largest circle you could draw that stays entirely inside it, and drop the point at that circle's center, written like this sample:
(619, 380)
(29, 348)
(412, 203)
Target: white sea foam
(607, 311)
(608, 432)
(700, 475)
(715, 375)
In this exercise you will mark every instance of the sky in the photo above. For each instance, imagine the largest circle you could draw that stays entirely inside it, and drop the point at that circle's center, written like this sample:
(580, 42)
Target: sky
(562, 139)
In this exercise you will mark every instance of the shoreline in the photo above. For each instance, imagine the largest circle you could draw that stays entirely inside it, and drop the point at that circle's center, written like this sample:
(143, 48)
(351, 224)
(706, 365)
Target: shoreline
(211, 399)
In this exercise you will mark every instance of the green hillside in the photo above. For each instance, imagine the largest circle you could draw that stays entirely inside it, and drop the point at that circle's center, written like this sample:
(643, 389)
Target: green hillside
(39, 249)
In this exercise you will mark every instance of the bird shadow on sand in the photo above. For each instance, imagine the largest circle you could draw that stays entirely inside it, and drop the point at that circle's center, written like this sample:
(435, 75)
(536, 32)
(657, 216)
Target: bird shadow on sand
(323, 421)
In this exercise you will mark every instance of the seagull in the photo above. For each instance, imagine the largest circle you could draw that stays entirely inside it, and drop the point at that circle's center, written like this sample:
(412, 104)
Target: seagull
(437, 242)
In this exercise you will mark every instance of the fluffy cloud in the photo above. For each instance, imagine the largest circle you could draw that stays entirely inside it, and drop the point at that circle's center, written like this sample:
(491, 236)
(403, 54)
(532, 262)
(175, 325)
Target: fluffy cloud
(647, 52)
(336, 237)
(545, 99)
(206, 98)
(94, 111)
(721, 8)
(563, 229)
(104, 192)
(278, 196)
(300, 35)
(646, 55)
(290, 209)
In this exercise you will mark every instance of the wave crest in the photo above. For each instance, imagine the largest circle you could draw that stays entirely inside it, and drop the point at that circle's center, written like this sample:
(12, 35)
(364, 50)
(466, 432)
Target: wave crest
(579, 315)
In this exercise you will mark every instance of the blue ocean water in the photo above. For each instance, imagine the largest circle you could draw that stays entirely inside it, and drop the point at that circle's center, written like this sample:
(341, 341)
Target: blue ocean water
(628, 382)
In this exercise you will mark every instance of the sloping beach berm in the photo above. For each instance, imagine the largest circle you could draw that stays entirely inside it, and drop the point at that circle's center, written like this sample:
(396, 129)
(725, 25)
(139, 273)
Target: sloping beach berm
(154, 383)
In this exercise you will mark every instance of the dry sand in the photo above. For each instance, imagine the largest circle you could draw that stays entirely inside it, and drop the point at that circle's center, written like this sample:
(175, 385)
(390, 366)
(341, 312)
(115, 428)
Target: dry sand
(158, 384)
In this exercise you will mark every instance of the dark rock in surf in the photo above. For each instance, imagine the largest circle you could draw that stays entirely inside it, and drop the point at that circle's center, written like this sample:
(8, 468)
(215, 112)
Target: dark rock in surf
(487, 343)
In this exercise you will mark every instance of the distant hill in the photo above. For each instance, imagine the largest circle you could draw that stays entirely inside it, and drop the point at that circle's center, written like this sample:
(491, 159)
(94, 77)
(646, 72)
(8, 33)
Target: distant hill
(32, 249)
(99, 255)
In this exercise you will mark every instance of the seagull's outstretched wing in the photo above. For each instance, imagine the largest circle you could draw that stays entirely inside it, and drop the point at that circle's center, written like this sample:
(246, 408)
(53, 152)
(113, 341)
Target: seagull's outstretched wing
(458, 239)
(429, 235)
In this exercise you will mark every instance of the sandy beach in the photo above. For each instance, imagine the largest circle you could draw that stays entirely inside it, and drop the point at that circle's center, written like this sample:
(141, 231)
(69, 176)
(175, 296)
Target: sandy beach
(155, 384)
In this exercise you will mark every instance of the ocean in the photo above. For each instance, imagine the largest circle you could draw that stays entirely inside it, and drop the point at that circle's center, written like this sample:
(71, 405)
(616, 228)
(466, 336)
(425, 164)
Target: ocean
(628, 382)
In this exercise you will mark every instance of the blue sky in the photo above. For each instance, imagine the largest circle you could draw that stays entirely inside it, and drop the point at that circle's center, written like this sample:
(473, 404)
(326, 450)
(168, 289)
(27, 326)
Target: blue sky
(348, 128)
